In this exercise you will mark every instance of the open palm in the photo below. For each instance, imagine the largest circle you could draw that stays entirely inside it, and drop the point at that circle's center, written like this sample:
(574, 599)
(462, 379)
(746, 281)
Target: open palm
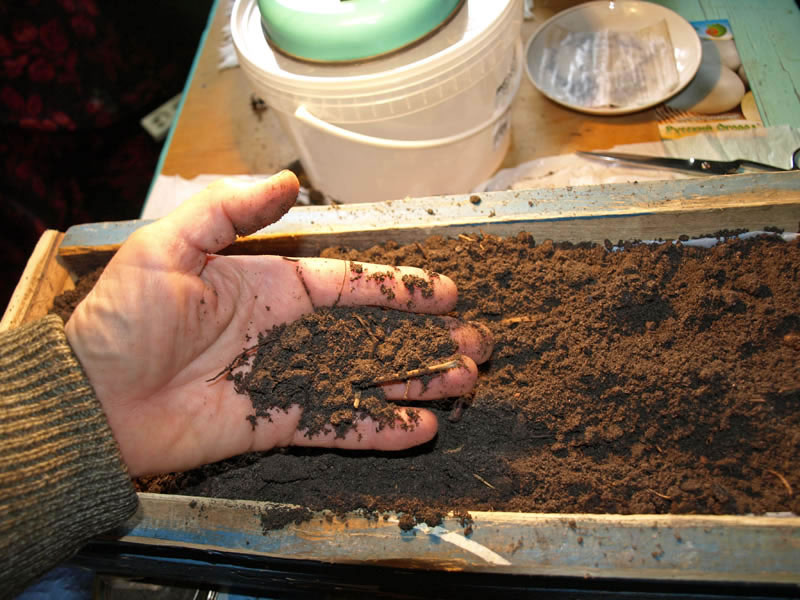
(167, 315)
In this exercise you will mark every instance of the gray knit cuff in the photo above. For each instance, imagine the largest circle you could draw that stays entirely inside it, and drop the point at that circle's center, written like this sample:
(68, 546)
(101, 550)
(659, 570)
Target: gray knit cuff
(62, 479)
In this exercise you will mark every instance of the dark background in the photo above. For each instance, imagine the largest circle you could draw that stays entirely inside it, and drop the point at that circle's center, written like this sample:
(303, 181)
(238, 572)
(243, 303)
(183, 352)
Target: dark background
(76, 76)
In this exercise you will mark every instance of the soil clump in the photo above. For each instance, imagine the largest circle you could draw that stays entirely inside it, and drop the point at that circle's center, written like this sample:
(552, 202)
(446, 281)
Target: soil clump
(330, 363)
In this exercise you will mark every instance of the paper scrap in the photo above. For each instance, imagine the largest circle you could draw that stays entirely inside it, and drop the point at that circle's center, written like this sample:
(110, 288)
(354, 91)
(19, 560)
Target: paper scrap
(609, 68)
(465, 544)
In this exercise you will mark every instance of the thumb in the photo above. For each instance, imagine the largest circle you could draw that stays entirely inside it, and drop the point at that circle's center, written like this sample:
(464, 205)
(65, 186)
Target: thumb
(212, 218)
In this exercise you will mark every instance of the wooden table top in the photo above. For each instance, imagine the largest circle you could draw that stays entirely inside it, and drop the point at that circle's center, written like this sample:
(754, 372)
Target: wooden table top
(218, 132)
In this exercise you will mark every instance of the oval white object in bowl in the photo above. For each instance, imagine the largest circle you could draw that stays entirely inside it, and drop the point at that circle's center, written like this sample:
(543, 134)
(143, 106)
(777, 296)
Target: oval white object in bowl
(716, 88)
(617, 16)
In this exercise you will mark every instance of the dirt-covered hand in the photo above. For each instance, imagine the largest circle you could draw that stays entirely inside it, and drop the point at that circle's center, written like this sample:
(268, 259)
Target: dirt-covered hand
(167, 314)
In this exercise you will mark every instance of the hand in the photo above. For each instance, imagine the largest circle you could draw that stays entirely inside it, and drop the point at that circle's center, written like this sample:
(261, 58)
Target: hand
(167, 314)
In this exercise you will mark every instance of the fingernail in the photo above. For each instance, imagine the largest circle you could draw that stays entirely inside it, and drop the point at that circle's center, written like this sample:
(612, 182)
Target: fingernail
(486, 346)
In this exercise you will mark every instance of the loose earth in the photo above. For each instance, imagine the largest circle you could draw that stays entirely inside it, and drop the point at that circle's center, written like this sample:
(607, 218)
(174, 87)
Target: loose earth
(657, 379)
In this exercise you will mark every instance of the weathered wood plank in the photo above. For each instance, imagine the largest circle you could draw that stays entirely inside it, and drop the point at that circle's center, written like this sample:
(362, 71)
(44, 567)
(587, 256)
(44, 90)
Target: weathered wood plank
(662, 209)
(710, 548)
(43, 278)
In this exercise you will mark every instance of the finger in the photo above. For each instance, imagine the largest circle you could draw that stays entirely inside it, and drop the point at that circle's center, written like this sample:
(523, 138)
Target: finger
(474, 339)
(408, 431)
(332, 282)
(211, 220)
(456, 381)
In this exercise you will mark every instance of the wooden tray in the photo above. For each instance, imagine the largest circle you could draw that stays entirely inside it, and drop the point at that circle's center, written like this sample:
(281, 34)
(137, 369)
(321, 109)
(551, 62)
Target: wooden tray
(762, 549)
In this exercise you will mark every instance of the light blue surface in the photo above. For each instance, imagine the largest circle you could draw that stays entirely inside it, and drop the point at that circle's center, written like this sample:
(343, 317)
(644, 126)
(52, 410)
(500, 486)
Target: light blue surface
(766, 33)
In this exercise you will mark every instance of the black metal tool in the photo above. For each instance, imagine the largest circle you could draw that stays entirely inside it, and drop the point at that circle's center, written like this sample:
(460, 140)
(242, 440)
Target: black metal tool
(696, 165)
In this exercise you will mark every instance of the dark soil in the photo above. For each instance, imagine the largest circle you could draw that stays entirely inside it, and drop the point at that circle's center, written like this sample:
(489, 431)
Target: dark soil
(331, 362)
(656, 379)
(65, 303)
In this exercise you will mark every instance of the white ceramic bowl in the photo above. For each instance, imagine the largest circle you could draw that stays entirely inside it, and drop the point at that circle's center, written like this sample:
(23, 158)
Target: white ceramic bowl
(618, 16)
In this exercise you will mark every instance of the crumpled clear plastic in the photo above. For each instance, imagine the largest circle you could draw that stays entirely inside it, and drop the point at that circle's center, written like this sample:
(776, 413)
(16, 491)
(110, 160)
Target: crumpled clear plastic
(607, 68)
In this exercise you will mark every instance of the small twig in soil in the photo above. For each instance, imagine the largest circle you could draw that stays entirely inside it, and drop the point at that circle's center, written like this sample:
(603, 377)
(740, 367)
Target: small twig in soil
(483, 481)
(453, 450)
(664, 496)
(429, 370)
(783, 481)
(366, 327)
(421, 250)
(237, 362)
(522, 319)
(724, 494)
(660, 451)
(357, 400)
(465, 237)
(458, 410)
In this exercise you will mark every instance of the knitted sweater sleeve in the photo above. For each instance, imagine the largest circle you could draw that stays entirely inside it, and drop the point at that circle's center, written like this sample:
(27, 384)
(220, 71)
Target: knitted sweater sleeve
(62, 479)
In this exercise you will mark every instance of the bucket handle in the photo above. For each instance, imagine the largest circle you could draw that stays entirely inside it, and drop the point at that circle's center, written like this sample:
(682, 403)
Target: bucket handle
(304, 115)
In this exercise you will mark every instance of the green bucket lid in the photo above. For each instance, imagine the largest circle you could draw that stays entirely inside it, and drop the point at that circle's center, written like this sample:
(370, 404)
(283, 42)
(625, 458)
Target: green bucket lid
(350, 30)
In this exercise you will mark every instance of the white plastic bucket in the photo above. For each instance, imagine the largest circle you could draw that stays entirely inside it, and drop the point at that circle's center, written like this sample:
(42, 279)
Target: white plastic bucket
(431, 119)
